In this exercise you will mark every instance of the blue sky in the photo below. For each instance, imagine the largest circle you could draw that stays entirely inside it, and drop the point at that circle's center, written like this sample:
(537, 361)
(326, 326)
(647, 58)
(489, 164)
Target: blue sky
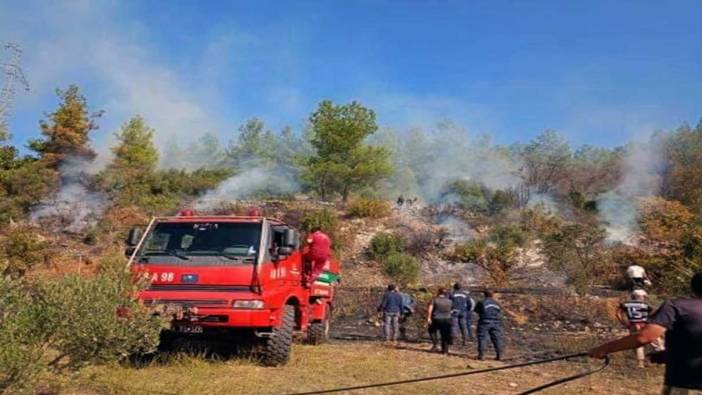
(599, 72)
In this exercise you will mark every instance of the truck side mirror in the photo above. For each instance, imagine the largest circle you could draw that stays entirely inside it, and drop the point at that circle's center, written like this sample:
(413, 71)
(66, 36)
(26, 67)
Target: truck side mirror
(292, 239)
(134, 237)
(284, 252)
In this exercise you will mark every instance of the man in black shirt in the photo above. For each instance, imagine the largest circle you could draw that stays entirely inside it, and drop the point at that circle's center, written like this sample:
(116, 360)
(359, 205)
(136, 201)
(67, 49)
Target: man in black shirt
(681, 321)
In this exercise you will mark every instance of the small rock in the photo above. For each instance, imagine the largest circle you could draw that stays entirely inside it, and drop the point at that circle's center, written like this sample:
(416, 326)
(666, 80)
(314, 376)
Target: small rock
(513, 385)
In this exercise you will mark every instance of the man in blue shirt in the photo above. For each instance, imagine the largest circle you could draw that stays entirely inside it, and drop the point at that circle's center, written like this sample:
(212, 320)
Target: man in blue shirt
(461, 309)
(391, 307)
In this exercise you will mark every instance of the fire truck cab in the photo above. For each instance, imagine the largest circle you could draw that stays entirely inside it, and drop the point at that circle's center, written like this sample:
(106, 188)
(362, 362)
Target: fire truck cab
(241, 277)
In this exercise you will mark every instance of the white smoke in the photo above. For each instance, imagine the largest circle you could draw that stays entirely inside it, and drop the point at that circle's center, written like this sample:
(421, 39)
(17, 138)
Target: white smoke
(543, 201)
(76, 207)
(247, 184)
(429, 161)
(640, 178)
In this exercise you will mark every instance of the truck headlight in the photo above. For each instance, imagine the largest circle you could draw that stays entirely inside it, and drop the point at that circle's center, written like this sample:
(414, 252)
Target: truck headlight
(248, 304)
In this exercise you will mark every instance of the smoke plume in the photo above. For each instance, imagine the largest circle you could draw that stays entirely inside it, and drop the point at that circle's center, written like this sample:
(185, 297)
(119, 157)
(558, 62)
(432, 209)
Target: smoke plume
(76, 207)
(640, 169)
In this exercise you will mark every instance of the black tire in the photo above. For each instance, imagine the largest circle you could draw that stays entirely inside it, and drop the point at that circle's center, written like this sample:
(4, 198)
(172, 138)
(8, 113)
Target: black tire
(276, 348)
(318, 332)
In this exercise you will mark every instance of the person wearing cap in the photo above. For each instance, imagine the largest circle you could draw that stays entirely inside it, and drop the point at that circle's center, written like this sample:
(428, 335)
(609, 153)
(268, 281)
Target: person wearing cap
(633, 314)
(637, 277)
(681, 321)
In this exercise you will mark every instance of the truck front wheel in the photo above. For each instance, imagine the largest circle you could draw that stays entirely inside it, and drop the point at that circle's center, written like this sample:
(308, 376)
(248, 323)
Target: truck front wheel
(276, 348)
(318, 332)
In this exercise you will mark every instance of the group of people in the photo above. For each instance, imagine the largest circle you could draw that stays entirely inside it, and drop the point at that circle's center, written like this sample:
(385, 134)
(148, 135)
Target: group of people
(680, 321)
(449, 315)
(401, 201)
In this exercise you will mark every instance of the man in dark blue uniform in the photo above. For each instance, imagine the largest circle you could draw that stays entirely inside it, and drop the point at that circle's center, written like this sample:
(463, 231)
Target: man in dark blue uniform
(489, 324)
(461, 309)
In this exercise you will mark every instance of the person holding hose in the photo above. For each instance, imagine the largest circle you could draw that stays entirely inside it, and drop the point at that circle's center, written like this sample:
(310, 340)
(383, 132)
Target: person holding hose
(681, 321)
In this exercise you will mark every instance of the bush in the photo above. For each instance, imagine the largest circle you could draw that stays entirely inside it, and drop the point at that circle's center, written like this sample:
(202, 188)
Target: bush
(86, 326)
(579, 251)
(402, 268)
(23, 334)
(369, 208)
(383, 245)
(326, 219)
(21, 249)
(497, 253)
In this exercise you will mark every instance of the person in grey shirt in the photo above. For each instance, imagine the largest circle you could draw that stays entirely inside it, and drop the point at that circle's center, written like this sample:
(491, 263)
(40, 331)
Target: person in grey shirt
(439, 319)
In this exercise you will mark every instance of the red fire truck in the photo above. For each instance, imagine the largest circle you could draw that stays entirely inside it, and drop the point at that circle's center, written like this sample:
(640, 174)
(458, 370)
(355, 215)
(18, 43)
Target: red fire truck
(237, 277)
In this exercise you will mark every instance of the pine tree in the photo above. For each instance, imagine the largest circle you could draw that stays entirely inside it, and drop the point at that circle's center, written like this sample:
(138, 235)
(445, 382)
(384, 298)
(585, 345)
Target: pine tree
(343, 163)
(66, 132)
(128, 176)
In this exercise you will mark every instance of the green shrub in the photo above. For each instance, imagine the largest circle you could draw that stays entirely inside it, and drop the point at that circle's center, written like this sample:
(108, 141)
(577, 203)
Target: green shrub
(497, 253)
(324, 218)
(383, 245)
(328, 221)
(86, 326)
(403, 268)
(21, 249)
(23, 335)
(369, 208)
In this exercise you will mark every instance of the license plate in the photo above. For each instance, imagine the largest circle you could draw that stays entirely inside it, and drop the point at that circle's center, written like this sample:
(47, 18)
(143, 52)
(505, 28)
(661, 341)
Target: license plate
(190, 329)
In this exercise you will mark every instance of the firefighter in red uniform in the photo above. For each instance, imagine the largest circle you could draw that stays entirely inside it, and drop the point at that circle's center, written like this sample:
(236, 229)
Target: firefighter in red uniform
(317, 253)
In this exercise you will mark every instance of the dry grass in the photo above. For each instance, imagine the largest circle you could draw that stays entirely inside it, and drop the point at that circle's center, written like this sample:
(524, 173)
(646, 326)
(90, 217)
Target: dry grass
(343, 364)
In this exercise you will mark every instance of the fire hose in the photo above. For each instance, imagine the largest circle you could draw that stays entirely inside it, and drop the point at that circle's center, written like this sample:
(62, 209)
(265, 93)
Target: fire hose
(472, 372)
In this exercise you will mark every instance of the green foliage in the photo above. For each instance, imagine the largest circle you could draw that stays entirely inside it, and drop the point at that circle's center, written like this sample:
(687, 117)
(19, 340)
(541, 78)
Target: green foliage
(546, 160)
(128, 177)
(579, 251)
(402, 268)
(132, 179)
(66, 133)
(23, 335)
(74, 319)
(369, 208)
(470, 195)
(342, 163)
(497, 253)
(87, 326)
(383, 245)
(23, 184)
(326, 219)
(21, 248)
(683, 155)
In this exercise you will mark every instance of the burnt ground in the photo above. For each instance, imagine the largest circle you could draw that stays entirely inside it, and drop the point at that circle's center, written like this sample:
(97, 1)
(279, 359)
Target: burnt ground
(538, 323)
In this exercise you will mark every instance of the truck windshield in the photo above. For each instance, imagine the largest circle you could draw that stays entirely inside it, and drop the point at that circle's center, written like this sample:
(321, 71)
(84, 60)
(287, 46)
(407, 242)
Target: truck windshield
(201, 243)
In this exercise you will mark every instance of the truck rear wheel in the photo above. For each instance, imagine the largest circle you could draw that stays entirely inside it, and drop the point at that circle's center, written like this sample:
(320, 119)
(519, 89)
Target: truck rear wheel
(318, 332)
(276, 348)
